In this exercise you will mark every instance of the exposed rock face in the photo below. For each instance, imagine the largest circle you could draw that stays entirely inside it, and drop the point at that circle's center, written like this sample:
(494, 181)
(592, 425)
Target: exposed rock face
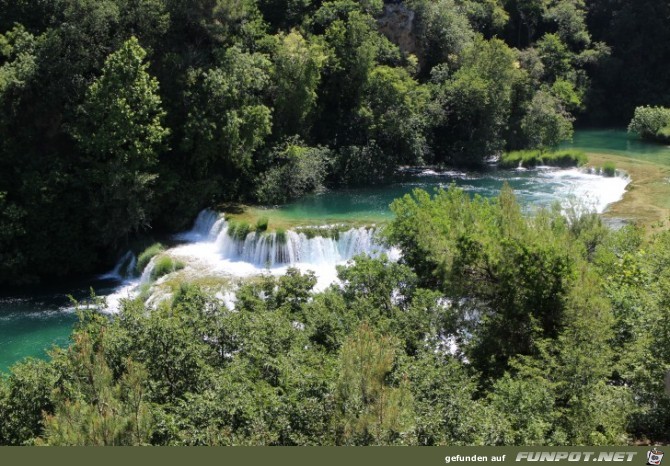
(397, 24)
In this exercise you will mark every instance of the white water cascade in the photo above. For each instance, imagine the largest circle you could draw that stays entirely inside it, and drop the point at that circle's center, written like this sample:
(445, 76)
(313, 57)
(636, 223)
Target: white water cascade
(211, 248)
(222, 251)
(293, 247)
(124, 268)
(207, 226)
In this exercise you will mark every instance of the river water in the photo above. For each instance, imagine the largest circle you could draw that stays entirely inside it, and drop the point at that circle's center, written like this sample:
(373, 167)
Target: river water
(34, 320)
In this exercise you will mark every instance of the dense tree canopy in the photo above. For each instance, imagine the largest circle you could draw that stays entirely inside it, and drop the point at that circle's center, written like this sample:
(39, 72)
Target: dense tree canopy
(226, 86)
(545, 330)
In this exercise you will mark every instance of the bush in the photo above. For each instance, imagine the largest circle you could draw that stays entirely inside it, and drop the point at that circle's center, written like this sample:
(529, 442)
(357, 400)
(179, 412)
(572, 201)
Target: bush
(609, 169)
(262, 224)
(297, 170)
(651, 123)
(148, 254)
(280, 236)
(165, 265)
(239, 230)
(533, 158)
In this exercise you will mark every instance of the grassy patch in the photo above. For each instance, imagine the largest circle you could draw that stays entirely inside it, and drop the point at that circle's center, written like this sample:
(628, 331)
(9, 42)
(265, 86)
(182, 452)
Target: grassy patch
(145, 292)
(149, 253)
(533, 158)
(239, 230)
(283, 220)
(262, 224)
(332, 232)
(609, 169)
(211, 283)
(165, 265)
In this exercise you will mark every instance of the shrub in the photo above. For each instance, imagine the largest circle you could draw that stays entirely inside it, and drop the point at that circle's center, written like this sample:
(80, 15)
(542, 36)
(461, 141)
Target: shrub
(609, 169)
(239, 230)
(165, 265)
(533, 158)
(651, 123)
(148, 254)
(262, 224)
(280, 236)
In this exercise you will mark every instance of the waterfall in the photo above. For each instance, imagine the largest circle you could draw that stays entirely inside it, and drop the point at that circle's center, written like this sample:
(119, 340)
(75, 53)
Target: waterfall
(124, 268)
(207, 226)
(148, 270)
(293, 247)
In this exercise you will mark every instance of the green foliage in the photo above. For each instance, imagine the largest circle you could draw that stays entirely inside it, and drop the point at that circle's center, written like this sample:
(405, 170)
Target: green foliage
(260, 102)
(517, 273)
(651, 123)
(546, 330)
(262, 224)
(165, 265)
(477, 102)
(546, 123)
(296, 170)
(609, 169)
(110, 413)
(533, 158)
(280, 235)
(227, 120)
(298, 65)
(369, 412)
(120, 131)
(393, 111)
(443, 30)
(239, 230)
(24, 396)
(149, 253)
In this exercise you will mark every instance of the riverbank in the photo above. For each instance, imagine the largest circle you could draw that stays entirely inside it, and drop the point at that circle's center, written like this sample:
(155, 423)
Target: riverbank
(647, 198)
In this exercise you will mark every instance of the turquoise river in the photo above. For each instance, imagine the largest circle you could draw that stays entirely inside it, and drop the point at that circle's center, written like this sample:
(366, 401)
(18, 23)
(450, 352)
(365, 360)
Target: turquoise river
(33, 320)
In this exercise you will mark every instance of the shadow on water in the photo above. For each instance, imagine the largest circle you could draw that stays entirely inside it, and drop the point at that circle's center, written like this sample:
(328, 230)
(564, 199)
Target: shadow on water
(34, 318)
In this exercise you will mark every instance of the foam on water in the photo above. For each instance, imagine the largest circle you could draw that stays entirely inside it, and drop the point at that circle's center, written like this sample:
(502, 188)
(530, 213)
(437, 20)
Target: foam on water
(592, 191)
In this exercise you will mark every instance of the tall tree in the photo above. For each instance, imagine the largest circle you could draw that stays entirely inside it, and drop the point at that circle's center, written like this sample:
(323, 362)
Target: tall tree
(120, 130)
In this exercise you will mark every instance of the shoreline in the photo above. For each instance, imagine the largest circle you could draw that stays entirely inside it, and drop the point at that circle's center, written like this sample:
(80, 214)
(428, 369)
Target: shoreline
(646, 201)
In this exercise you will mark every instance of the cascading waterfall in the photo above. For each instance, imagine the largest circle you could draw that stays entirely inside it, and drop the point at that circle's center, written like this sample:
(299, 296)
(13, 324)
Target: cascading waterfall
(270, 249)
(292, 247)
(207, 226)
(148, 270)
(212, 247)
(124, 268)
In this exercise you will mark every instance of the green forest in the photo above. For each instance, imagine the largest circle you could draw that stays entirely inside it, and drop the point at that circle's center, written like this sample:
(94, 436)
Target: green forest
(122, 119)
(498, 329)
(122, 116)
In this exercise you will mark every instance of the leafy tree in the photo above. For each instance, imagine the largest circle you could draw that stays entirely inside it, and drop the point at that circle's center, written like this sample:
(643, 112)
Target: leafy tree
(296, 170)
(24, 395)
(393, 110)
(114, 413)
(443, 391)
(651, 123)
(120, 130)
(297, 71)
(546, 122)
(228, 121)
(477, 102)
(370, 412)
(443, 31)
